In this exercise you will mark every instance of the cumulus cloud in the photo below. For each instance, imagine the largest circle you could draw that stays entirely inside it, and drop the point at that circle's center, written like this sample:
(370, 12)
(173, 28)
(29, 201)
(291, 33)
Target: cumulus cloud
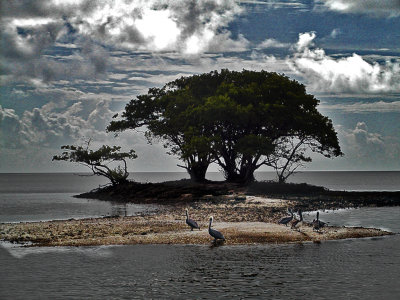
(365, 148)
(54, 124)
(28, 142)
(350, 74)
(305, 41)
(361, 137)
(384, 8)
(9, 128)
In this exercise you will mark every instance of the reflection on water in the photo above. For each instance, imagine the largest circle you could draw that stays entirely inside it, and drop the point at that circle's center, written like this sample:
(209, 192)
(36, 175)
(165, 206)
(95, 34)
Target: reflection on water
(59, 206)
(349, 269)
(385, 218)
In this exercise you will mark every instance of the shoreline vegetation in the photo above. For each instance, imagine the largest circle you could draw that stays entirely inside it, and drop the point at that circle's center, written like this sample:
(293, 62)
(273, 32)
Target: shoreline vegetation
(244, 214)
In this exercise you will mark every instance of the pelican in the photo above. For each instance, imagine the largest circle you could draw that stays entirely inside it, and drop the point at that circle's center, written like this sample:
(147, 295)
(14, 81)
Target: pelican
(317, 224)
(286, 220)
(297, 222)
(190, 222)
(214, 233)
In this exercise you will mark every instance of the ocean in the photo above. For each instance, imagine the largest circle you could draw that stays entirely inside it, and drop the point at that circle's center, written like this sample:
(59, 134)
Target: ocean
(348, 269)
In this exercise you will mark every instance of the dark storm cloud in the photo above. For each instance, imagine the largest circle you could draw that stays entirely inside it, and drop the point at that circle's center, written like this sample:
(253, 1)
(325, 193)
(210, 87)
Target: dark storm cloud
(194, 15)
(37, 8)
(30, 29)
(29, 41)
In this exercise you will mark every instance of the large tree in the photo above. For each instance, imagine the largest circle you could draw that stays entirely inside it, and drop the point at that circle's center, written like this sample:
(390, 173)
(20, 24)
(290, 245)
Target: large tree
(165, 115)
(237, 119)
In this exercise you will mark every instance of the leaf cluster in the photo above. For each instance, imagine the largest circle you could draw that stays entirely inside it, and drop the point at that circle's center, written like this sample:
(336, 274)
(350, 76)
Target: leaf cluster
(105, 153)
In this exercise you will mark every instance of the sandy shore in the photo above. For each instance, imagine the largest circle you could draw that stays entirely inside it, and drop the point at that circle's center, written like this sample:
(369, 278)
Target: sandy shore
(248, 220)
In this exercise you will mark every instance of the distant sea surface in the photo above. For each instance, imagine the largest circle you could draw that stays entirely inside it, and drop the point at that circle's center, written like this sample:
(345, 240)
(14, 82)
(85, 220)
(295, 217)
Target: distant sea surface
(48, 196)
(81, 182)
(347, 269)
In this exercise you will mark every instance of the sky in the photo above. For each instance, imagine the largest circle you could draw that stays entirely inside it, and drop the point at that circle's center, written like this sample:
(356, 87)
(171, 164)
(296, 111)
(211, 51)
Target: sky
(66, 67)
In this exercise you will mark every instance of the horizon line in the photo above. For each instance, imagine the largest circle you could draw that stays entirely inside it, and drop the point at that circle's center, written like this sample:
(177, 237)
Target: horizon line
(183, 172)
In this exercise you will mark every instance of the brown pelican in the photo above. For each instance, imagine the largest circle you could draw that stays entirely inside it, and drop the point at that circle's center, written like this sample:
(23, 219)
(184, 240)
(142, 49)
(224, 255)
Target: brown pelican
(317, 224)
(297, 222)
(286, 220)
(214, 233)
(190, 222)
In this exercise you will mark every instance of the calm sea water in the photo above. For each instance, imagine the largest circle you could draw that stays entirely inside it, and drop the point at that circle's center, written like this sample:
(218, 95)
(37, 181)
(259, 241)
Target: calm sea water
(349, 269)
(37, 197)
(79, 183)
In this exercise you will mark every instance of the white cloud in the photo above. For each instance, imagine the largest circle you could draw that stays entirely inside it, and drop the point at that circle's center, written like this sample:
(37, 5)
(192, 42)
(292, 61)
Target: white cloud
(362, 139)
(54, 124)
(275, 3)
(19, 93)
(363, 107)
(352, 74)
(305, 41)
(364, 149)
(9, 128)
(272, 43)
(385, 8)
(335, 32)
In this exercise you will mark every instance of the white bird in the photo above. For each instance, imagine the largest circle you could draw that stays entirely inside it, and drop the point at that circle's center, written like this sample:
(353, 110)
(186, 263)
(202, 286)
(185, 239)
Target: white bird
(214, 233)
(190, 222)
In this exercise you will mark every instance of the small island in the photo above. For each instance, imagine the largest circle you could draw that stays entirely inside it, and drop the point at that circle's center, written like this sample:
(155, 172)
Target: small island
(245, 214)
(239, 121)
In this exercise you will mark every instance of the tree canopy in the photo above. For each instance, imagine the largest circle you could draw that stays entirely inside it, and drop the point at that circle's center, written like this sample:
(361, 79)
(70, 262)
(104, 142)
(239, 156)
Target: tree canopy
(240, 120)
(100, 160)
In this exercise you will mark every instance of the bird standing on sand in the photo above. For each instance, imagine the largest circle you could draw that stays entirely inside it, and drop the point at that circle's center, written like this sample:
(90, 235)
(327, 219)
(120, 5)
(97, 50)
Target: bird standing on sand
(214, 233)
(317, 224)
(297, 222)
(190, 222)
(286, 220)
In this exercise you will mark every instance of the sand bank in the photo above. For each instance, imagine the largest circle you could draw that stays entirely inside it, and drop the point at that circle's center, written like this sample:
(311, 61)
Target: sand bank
(249, 221)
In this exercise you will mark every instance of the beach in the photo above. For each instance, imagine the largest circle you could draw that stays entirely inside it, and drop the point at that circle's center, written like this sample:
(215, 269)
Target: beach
(242, 219)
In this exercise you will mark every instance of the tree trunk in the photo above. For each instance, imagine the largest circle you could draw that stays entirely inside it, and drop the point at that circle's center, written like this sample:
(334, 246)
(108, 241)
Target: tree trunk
(281, 178)
(198, 171)
(245, 176)
(230, 173)
(249, 177)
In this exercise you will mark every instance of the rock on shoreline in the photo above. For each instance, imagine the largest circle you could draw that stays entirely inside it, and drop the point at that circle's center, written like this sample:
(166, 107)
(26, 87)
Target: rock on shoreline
(307, 197)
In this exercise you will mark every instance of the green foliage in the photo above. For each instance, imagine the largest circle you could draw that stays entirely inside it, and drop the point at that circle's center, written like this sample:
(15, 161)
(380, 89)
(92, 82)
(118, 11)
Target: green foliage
(241, 120)
(98, 160)
(252, 144)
